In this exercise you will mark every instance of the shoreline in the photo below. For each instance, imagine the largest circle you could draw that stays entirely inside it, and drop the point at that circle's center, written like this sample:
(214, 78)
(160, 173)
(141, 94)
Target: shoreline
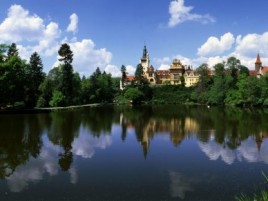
(45, 110)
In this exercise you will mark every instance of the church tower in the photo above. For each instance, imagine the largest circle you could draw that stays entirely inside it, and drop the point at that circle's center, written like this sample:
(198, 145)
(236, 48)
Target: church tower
(258, 63)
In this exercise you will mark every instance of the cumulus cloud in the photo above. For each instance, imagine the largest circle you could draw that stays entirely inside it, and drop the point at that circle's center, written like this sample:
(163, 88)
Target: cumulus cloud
(87, 57)
(130, 69)
(180, 13)
(31, 34)
(21, 26)
(72, 27)
(113, 70)
(245, 48)
(215, 46)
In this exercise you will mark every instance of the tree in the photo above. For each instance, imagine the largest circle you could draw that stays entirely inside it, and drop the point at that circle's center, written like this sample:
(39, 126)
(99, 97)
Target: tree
(66, 54)
(3, 50)
(200, 94)
(217, 91)
(233, 65)
(12, 51)
(12, 81)
(134, 95)
(35, 77)
(66, 86)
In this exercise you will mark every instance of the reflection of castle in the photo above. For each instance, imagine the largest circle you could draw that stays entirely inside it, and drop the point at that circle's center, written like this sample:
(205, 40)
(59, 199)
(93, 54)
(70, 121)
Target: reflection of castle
(176, 74)
(260, 138)
(176, 128)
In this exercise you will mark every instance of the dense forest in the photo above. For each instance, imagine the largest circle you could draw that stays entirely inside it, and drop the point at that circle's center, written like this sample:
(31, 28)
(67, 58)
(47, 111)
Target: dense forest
(24, 84)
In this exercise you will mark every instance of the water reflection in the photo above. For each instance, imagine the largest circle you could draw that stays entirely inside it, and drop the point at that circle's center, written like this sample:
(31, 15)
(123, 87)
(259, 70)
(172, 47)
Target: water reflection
(32, 146)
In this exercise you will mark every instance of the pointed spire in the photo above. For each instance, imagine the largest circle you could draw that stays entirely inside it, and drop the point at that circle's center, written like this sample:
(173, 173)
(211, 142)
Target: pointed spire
(258, 59)
(144, 52)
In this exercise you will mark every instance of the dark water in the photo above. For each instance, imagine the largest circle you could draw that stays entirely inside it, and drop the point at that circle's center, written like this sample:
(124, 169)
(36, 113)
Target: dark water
(123, 153)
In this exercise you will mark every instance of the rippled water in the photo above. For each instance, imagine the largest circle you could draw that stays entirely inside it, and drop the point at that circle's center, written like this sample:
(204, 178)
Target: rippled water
(124, 153)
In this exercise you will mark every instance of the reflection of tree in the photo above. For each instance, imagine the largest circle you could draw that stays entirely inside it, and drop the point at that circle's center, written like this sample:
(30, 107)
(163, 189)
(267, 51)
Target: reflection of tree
(64, 128)
(19, 139)
(99, 120)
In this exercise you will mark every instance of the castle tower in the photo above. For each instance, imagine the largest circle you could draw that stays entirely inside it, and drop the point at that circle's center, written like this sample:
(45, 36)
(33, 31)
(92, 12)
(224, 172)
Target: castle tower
(258, 63)
(145, 61)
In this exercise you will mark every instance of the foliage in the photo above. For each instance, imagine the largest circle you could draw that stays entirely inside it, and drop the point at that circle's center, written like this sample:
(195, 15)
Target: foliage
(171, 94)
(134, 95)
(35, 76)
(58, 99)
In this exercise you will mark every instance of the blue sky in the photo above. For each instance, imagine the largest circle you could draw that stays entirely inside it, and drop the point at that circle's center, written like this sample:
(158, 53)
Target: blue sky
(109, 33)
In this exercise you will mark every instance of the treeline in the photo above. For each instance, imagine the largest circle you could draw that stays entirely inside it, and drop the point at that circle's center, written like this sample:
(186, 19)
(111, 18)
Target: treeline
(231, 84)
(228, 84)
(24, 84)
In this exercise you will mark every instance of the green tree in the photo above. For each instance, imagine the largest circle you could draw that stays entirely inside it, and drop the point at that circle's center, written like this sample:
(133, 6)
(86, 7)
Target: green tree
(134, 95)
(200, 94)
(12, 81)
(3, 50)
(233, 65)
(217, 92)
(35, 76)
(12, 51)
(66, 86)
(66, 54)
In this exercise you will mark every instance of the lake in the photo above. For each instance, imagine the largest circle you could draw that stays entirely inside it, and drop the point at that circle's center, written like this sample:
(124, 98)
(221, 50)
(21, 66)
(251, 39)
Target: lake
(123, 153)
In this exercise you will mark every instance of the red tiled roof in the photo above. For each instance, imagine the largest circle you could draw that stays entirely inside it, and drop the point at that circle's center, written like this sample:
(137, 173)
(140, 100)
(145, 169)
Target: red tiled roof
(210, 72)
(264, 70)
(130, 78)
(162, 72)
(253, 73)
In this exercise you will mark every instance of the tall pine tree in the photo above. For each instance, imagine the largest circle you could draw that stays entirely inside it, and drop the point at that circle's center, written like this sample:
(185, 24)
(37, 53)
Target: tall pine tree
(66, 86)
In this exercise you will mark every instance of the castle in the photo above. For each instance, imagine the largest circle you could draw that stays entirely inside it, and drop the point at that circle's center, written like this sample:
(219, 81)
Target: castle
(176, 74)
(179, 73)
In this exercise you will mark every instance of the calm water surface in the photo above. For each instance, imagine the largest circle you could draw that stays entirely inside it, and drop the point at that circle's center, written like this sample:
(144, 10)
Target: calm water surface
(124, 153)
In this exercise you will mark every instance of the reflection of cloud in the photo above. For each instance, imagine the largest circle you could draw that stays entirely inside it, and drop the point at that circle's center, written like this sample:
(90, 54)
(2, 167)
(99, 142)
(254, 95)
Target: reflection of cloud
(86, 144)
(180, 184)
(33, 171)
(214, 151)
(73, 174)
(248, 151)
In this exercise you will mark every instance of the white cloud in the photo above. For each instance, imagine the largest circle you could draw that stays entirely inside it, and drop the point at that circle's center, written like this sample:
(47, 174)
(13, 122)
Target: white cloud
(87, 58)
(164, 67)
(251, 44)
(245, 48)
(72, 27)
(31, 34)
(130, 69)
(215, 46)
(20, 25)
(113, 70)
(180, 13)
